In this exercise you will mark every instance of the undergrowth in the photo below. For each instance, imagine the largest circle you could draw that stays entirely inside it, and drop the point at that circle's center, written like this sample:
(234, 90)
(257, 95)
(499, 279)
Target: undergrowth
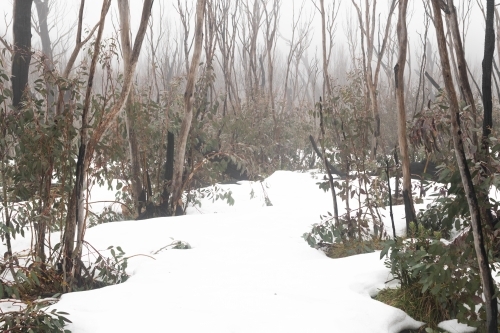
(350, 248)
(438, 280)
(423, 307)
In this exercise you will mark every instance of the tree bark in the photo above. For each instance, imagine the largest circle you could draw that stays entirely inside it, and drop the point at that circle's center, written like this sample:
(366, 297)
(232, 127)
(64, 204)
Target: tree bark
(327, 90)
(490, 303)
(124, 13)
(400, 99)
(176, 201)
(22, 49)
(489, 49)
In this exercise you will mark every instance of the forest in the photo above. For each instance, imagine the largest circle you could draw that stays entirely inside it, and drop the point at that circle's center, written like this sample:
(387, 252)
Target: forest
(166, 103)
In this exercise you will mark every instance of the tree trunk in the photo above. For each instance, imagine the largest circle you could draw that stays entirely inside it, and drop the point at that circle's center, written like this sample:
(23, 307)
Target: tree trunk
(465, 88)
(489, 49)
(177, 183)
(81, 174)
(124, 12)
(400, 99)
(22, 49)
(491, 305)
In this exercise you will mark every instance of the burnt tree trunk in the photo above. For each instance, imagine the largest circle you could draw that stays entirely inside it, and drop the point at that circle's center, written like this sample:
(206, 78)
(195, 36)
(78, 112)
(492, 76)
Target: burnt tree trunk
(22, 49)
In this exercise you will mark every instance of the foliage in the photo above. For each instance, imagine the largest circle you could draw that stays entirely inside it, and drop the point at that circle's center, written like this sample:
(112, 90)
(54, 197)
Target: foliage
(111, 270)
(351, 236)
(213, 193)
(107, 215)
(445, 271)
(33, 319)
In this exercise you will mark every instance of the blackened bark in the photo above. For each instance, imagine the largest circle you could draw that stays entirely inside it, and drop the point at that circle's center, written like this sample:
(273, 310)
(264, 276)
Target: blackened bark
(22, 49)
(489, 49)
(390, 197)
(330, 178)
(432, 81)
(169, 171)
(162, 209)
(328, 164)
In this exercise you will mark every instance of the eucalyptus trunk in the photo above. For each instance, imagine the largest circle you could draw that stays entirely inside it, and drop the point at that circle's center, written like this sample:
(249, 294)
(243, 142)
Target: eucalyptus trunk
(400, 99)
(177, 182)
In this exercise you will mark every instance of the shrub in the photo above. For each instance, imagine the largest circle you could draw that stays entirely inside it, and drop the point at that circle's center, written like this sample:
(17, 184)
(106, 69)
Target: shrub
(348, 237)
(446, 272)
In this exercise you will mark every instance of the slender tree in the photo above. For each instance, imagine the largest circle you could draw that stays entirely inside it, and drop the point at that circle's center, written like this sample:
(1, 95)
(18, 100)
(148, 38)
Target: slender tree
(124, 13)
(399, 70)
(177, 183)
(490, 300)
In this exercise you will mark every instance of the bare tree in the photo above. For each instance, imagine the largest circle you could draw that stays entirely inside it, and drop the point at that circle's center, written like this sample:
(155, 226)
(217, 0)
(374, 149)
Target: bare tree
(227, 31)
(328, 28)
(185, 15)
(271, 23)
(368, 32)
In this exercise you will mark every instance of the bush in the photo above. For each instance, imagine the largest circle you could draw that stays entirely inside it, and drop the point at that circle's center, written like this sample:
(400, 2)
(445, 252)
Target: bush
(445, 272)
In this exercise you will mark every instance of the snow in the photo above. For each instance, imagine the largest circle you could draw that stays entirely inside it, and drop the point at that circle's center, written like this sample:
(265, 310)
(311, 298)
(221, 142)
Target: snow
(248, 270)
(453, 326)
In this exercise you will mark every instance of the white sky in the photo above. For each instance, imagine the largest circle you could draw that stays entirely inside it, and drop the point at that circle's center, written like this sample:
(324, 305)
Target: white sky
(68, 10)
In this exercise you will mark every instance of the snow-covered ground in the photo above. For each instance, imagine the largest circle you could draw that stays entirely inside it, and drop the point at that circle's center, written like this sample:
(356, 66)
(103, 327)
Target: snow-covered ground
(248, 270)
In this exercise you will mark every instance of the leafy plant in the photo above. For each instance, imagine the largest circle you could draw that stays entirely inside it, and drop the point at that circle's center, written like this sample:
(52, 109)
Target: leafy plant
(111, 270)
(34, 319)
(213, 193)
(446, 271)
(348, 237)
